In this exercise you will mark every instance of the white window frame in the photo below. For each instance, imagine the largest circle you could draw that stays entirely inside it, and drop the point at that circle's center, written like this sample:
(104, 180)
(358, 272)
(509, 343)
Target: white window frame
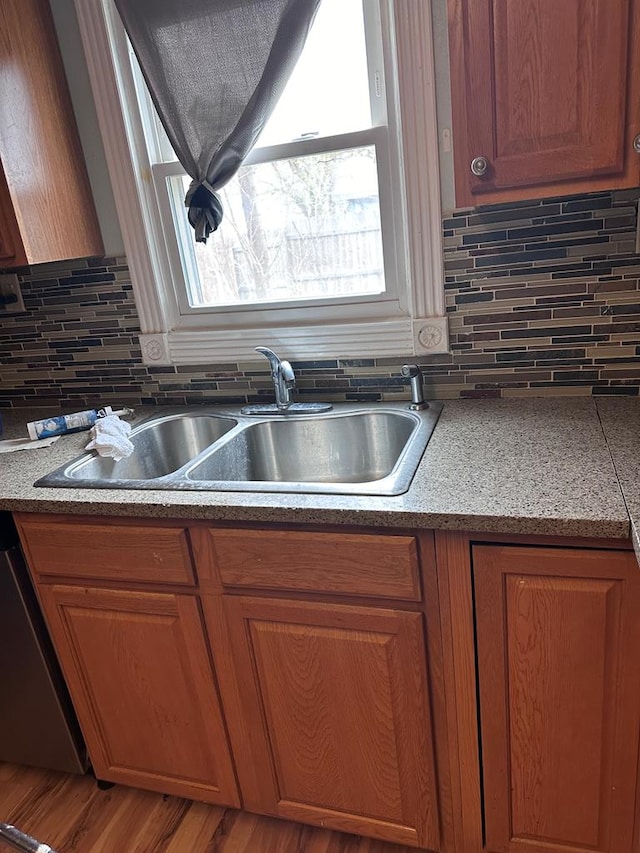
(286, 313)
(416, 323)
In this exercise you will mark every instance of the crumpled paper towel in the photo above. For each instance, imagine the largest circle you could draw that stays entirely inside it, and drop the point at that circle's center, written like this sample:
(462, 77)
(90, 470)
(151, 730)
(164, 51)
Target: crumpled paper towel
(9, 445)
(109, 437)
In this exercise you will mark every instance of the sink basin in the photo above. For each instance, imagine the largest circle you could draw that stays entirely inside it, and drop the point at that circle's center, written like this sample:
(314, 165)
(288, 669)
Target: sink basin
(161, 447)
(354, 449)
(350, 448)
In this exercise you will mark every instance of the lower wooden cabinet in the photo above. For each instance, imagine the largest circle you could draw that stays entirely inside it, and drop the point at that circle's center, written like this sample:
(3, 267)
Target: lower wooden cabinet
(190, 669)
(558, 633)
(458, 693)
(336, 699)
(138, 670)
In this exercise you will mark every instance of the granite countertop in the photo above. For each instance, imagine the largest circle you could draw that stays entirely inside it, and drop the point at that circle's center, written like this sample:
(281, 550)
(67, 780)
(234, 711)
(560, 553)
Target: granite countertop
(620, 420)
(522, 466)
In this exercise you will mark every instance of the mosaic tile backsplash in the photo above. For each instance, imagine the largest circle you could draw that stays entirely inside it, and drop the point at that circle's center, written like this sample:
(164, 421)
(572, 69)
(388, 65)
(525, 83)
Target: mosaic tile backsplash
(543, 299)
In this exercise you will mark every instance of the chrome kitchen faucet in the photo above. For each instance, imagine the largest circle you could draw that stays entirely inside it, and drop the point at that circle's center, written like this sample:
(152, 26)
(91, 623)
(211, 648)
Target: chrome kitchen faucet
(284, 379)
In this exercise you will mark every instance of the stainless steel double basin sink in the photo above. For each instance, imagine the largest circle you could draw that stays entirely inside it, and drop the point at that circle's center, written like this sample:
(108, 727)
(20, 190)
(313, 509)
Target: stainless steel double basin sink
(353, 449)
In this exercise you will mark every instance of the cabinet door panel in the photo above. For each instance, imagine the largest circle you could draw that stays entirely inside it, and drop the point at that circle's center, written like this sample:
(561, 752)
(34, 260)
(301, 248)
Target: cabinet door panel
(559, 696)
(339, 694)
(362, 564)
(50, 195)
(140, 677)
(544, 91)
(120, 553)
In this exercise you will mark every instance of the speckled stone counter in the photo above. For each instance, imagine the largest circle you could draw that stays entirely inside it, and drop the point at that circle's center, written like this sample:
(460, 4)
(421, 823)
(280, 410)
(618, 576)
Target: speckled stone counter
(522, 466)
(620, 419)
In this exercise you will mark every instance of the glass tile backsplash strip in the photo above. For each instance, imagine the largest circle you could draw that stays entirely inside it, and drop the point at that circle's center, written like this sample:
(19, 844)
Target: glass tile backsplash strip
(543, 299)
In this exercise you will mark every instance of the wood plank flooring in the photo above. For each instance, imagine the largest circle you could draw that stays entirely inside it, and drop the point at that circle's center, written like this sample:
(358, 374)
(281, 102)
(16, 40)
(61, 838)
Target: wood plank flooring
(72, 815)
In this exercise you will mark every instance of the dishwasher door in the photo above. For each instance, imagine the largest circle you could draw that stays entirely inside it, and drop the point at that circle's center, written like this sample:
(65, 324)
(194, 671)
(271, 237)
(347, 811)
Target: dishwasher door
(37, 723)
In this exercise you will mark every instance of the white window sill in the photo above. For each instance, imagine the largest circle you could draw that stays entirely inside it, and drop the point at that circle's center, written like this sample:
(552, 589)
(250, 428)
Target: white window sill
(384, 338)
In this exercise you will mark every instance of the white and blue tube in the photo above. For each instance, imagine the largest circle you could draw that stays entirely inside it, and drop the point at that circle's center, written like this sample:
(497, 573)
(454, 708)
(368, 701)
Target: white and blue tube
(62, 424)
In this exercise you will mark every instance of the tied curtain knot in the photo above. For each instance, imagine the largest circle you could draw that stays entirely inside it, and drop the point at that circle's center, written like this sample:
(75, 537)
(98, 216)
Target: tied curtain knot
(215, 70)
(205, 209)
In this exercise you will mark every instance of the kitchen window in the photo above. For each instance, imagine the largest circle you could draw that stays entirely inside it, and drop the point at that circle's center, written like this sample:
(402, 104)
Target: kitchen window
(330, 243)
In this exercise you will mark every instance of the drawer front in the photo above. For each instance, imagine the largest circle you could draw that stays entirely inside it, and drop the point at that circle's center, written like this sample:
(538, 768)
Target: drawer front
(139, 553)
(379, 566)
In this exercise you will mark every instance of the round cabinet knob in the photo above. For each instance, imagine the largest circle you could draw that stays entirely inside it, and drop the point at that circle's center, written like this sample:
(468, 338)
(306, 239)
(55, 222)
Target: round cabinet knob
(479, 166)
(636, 144)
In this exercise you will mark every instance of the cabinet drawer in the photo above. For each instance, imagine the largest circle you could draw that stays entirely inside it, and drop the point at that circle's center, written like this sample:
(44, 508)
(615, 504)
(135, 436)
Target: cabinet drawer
(143, 553)
(379, 566)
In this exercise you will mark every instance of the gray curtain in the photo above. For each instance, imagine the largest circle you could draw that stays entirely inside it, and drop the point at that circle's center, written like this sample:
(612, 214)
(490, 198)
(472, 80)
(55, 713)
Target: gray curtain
(215, 70)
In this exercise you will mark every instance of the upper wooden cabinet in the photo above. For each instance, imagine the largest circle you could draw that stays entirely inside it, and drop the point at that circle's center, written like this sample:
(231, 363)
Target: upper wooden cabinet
(46, 206)
(545, 96)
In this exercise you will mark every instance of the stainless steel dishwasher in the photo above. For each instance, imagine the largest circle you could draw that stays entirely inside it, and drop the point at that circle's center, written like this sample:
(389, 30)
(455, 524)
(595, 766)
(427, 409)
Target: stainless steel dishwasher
(37, 723)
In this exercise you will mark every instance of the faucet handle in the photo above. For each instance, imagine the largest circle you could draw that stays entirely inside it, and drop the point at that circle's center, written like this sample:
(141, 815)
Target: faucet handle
(288, 376)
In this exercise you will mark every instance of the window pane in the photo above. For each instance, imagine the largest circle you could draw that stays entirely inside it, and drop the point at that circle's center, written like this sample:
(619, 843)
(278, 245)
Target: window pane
(303, 228)
(328, 92)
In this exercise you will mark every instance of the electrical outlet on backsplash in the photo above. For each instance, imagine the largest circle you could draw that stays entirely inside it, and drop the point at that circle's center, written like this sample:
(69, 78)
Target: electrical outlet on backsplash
(543, 298)
(10, 295)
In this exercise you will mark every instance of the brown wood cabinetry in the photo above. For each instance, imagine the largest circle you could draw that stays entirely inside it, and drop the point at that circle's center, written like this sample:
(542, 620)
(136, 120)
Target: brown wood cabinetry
(545, 96)
(10, 241)
(143, 552)
(337, 698)
(558, 643)
(327, 647)
(330, 705)
(546, 717)
(368, 565)
(138, 670)
(134, 655)
(46, 207)
(458, 693)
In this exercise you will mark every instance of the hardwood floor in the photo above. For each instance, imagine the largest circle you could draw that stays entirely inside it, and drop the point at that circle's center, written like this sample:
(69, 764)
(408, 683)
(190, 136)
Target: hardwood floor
(72, 815)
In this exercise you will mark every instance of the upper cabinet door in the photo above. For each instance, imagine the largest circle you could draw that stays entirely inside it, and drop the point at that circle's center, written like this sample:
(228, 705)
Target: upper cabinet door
(545, 98)
(559, 687)
(45, 194)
